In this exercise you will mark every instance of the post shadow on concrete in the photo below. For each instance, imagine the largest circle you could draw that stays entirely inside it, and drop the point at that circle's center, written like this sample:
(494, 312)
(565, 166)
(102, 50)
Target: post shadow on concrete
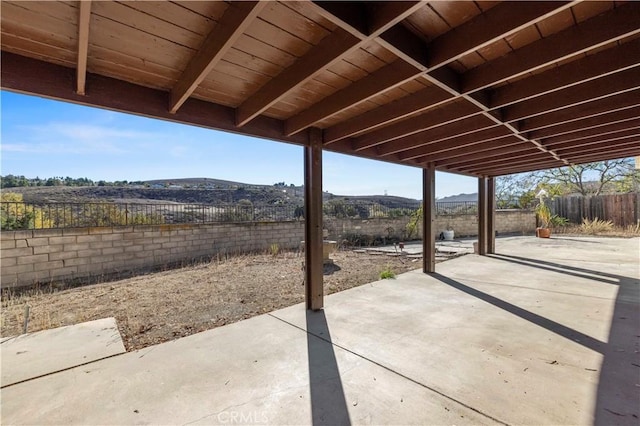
(328, 402)
(618, 394)
(554, 327)
(560, 268)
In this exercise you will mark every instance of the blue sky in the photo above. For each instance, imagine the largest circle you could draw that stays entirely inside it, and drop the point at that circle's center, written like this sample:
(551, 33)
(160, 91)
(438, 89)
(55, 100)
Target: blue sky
(45, 138)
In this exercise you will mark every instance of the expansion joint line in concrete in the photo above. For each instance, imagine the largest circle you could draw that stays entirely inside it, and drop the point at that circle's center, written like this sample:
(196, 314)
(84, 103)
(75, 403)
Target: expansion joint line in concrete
(61, 370)
(444, 395)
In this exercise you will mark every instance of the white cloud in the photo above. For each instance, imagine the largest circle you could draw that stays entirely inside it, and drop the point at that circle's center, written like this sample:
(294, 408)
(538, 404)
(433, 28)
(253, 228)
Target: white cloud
(78, 138)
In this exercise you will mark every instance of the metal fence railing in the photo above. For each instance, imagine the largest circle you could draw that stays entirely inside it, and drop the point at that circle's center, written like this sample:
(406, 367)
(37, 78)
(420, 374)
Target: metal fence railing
(20, 215)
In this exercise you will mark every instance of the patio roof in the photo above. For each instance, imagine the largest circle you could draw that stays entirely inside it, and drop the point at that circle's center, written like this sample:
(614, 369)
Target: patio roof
(479, 88)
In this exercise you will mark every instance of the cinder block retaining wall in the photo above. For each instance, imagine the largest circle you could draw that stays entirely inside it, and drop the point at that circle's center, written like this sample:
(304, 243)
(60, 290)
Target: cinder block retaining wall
(507, 222)
(51, 255)
(43, 256)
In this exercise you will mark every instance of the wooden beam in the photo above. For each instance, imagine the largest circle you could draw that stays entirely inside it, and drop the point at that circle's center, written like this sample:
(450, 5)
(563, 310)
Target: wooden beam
(605, 155)
(618, 116)
(314, 289)
(415, 103)
(530, 154)
(442, 149)
(31, 76)
(482, 216)
(597, 139)
(589, 91)
(491, 215)
(495, 24)
(452, 111)
(621, 144)
(482, 168)
(84, 20)
(331, 49)
(472, 151)
(605, 28)
(405, 45)
(600, 106)
(428, 219)
(604, 130)
(351, 17)
(598, 65)
(385, 78)
(510, 149)
(426, 137)
(231, 26)
(367, 21)
(507, 170)
(383, 15)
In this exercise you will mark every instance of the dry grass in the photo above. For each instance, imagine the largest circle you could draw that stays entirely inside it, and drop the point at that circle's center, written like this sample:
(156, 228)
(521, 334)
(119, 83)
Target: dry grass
(166, 305)
(596, 226)
(600, 228)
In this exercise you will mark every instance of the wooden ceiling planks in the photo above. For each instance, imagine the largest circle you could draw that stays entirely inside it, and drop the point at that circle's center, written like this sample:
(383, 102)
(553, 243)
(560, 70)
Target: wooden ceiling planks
(479, 88)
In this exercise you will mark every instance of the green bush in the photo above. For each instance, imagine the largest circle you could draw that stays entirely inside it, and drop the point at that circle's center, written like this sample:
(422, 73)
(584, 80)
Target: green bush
(387, 274)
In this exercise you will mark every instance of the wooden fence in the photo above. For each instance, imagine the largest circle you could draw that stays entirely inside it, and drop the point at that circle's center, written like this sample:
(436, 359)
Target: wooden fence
(621, 209)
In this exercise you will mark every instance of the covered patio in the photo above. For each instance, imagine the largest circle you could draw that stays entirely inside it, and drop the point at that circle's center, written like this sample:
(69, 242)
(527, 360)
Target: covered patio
(544, 332)
(468, 345)
(478, 88)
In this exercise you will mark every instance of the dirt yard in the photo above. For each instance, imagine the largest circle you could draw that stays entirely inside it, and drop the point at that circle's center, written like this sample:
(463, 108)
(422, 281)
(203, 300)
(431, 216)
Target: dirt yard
(163, 306)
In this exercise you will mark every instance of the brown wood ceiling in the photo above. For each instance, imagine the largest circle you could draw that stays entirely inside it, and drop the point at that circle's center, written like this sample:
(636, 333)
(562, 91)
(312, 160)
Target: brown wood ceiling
(481, 88)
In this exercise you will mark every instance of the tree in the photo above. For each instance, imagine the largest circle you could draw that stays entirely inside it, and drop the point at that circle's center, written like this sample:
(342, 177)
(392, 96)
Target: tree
(15, 214)
(584, 179)
(593, 178)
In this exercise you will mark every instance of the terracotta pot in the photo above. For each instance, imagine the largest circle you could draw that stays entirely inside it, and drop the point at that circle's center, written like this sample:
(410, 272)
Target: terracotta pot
(543, 232)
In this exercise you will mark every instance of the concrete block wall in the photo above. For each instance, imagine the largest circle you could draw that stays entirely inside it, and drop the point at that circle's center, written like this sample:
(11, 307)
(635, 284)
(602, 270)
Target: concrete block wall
(43, 256)
(507, 222)
(51, 255)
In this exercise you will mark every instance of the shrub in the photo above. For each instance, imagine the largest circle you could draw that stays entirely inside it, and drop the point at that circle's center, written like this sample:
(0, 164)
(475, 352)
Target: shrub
(595, 226)
(387, 274)
(557, 221)
(15, 214)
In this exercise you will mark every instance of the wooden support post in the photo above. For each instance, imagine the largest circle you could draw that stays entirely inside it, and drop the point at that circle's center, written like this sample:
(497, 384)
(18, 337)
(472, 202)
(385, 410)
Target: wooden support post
(491, 213)
(428, 218)
(482, 216)
(313, 221)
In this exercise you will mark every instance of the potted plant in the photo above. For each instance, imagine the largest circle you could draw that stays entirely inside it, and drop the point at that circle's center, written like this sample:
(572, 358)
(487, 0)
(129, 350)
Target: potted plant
(543, 212)
(448, 233)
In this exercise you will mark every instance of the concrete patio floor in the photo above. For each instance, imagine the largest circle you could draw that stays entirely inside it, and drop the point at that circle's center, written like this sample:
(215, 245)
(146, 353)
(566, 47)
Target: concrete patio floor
(545, 332)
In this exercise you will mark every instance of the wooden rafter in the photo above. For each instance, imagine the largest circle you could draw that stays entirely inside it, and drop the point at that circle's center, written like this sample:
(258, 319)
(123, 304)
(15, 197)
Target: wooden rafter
(481, 154)
(386, 78)
(454, 129)
(500, 89)
(593, 66)
(25, 75)
(616, 116)
(499, 22)
(592, 90)
(603, 29)
(84, 20)
(466, 145)
(235, 20)
(432, 151)
(628, 140)
(415, 103)
(330, 50)
(450, 112)
(633, 123)
(601, 106)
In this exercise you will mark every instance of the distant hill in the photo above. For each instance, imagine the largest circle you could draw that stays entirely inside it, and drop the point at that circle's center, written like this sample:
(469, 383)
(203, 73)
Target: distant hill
(195, 191)
(460, 198)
